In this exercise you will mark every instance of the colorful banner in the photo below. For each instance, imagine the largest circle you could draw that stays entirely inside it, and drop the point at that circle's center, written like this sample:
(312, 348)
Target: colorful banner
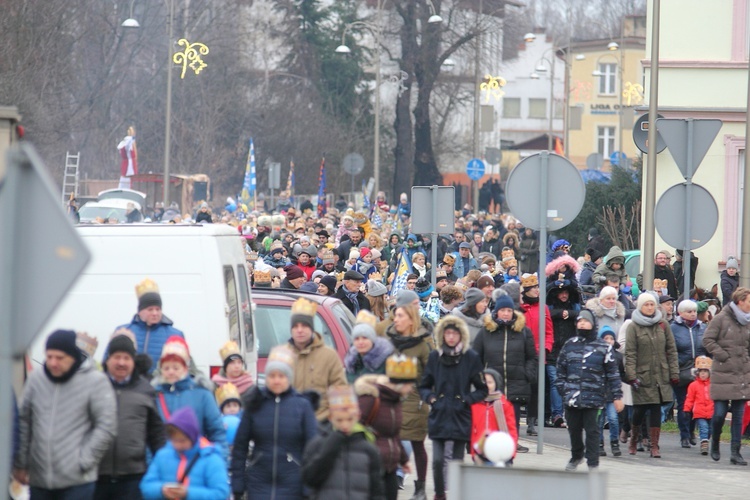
(322, 189)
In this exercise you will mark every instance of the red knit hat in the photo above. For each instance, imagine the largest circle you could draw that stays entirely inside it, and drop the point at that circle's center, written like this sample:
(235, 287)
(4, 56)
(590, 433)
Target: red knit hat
(175, 349)
(364, 252)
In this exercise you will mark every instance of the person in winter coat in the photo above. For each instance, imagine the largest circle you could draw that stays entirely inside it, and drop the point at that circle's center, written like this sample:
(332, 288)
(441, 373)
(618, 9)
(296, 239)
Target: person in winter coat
(318, 367)
(150, 326)
(452, 382)
(188, 467)
(67, 420)
(589, 267)
(650, 368)
(275, 256)
(614, 262)
(607, 309)
(609, 413)
(139, 425)
(727, 340)
(412, 338)
(464, 262)
(529, 249)
(688, 332)
(204, 214)
(279, 422)
(350, 295)
(473, 311)
(679, 271)
(306, 261)
(492, 242)
(561, 272)
(505, 345)
(368, 352)
(233, 369)
(564, 305)
(177, 389)
(699, 407)
(730, 280)
(393, 248)
(343, 462)
(494, 413)
(586, 370)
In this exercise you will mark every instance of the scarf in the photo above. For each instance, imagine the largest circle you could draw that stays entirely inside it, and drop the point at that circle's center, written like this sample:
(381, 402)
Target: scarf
(611, 312)
(530, 300)
(641, 319)
(742, 317)
(65, 376)
(690, 323)
(353, 297)
(401, 343)
(451, 355)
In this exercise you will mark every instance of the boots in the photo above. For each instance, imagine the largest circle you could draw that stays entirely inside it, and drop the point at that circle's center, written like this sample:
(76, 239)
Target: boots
(623, 437)
(715, 437)
(704, 447)
(736, 458)
(615, 444)
(635, 440)
(654, 433)
(602, 452)
(531, 426)
(419, 493)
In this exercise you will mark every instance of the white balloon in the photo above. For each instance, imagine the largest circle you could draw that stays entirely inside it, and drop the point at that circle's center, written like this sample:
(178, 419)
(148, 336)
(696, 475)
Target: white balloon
(499, 447)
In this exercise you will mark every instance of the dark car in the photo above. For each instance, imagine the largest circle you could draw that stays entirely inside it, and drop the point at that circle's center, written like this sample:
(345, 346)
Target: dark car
(272, 315)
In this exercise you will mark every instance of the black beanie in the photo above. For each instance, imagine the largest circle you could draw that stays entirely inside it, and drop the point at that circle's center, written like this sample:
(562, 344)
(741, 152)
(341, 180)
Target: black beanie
(121, 343)
(149, 299)
(65, 341)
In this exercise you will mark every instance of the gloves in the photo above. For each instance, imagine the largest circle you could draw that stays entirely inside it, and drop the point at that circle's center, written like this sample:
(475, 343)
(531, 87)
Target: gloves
(635, 384)
(602, 279)
(675, 382)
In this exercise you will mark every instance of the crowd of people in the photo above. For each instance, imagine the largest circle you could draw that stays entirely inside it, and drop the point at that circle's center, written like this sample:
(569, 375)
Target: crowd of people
(454, 362)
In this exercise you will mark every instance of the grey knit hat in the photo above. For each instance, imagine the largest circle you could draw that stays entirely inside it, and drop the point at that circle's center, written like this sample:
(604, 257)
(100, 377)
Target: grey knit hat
(406, 297)
(588, 316)
(732, 263)
(473, 297)
(375, 288)
(364, 330)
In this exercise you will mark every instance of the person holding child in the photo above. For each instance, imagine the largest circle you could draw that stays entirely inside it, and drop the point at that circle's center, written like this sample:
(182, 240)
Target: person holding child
(699, 407)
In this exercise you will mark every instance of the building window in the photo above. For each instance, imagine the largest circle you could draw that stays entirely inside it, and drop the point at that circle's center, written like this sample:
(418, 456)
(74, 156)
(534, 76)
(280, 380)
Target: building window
(511, 107)
(537, 108)
(606, 141)
(608, 78)
(559, 108)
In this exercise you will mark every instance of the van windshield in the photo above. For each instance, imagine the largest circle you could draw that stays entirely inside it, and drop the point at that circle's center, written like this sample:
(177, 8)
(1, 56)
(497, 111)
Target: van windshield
(272, 328)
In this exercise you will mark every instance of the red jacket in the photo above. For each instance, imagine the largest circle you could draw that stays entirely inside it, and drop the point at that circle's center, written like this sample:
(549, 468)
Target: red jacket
(483, 421)
(699, 400)
(308, 270)
(531, 311)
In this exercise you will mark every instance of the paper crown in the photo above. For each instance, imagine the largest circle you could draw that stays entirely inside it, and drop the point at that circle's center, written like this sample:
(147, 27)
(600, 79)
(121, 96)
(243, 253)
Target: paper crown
(282, 354)
(659, 284)
(401, 368)
(376, 277)
(703, 363)
(340, 276)
(304, 307)
(276, 245)
(86, 343)
(251, 256)
(508, 253)
(229, 349)
(449, 259)
(261, 276)
(327, 257)
(461, 284)
(176, 346)
(342, 397)
(367, 318)
(507, 264)
(226, 393)
(126, 332)
(440, 274)
(529, 280)
(146, 286)
(359, 218)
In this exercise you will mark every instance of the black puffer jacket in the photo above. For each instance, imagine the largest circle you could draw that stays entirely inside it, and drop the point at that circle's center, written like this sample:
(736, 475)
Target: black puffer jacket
(728, 285)
(587, 373)
(341, 466)
(138, 426)
(509, 349)
(564, 328)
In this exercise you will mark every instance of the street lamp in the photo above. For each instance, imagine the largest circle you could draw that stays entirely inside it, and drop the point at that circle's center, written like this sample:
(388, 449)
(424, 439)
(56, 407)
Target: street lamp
(131, 22)
(541, 68)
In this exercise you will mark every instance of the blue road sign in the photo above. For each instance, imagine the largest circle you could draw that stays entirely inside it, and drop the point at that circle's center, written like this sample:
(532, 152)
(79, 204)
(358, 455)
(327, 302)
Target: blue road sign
(475, 169)
(617, 157)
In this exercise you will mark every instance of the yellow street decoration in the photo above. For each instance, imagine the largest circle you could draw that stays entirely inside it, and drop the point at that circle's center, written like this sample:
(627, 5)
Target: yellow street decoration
(492, 87)
(190, 56)
(633, 92)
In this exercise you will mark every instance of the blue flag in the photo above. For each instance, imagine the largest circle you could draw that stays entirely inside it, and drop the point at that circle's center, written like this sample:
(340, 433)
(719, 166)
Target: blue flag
(322, 189)
(248, 185)
(403, 270)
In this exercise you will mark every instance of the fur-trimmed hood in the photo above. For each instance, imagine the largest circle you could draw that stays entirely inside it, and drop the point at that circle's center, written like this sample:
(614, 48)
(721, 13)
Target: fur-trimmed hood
(519, 322)
(367, 385)
(453, 322)
(596, 307)
(564, 260)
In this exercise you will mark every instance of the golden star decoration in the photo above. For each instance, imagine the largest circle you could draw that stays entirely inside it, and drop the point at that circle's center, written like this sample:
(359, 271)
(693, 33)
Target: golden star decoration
(190, 56)
(492, 86)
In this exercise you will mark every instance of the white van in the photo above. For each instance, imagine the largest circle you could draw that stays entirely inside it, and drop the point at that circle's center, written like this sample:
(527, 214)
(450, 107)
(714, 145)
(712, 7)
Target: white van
(202, 279)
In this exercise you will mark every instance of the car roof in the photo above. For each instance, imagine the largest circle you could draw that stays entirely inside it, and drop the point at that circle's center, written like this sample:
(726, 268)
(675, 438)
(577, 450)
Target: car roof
(291, 295)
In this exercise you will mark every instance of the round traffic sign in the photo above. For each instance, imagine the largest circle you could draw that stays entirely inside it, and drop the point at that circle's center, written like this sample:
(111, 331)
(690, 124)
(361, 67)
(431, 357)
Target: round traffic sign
(670, 214)
(565, 194)
(640, 135)
(475, 169)
(617, 158)
(353, 163)
(493, 155)
(594, 161)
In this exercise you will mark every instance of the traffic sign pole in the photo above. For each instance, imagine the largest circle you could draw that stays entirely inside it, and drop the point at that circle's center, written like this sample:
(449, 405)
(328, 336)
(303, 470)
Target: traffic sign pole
(542, 377)
(686, 260)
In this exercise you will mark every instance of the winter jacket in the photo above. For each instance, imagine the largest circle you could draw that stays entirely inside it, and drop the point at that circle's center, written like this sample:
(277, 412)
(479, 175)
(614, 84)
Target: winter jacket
(613, 318)
(362, 301)
(509, 349)
(586, 372)
(203, 217)
(615, 255)
(151, 339)
(698, 400)
(531, 311)
(65, 427)
(346, 467)
(308, 269)
(587, 273)
(474, 325)
(415, 413)
(318, 368)
(280, 427)
(138, 426)
(557, 278)
(493, 246)
(728, 285)
(451, 384)
(375, 396)
(728, 342)
(276, 263)
(563, 328)
(679, 273)
(372, 362)
(688, 341)
(529, 247)
(484, 420)
(207, 479)
(187, 392)
(651, 357)
(459, 269)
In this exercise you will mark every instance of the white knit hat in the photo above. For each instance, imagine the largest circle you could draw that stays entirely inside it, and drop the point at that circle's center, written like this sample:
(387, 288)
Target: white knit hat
(644, 298)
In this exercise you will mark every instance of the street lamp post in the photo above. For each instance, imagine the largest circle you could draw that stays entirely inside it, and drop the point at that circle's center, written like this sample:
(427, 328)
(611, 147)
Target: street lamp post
(535, 76)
